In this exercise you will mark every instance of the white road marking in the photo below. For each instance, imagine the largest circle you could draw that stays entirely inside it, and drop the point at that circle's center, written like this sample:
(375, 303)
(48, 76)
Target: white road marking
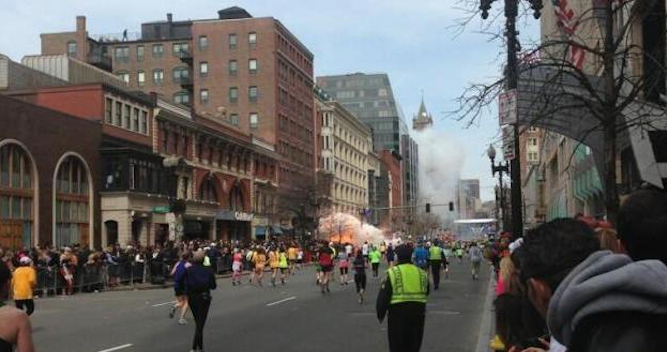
(281, 301)
(117, 348)
(161, 304)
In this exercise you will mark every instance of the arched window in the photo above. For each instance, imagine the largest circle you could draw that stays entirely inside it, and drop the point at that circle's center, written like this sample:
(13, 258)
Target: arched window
(72, 203)
(207, 192)
(236, 198)
(16, 197)
(71, 48)
(182, 97)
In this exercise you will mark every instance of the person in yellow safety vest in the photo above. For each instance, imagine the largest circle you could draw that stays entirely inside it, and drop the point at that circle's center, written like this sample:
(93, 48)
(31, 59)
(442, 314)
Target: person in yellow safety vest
(403, 294)
(435, 256)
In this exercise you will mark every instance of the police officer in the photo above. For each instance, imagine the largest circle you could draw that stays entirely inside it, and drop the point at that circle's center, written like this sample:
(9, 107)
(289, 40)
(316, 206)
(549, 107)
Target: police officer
(435, 259)
(403, 295)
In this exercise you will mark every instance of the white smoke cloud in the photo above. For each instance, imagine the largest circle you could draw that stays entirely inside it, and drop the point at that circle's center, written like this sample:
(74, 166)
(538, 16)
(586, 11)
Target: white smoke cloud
(441, 159)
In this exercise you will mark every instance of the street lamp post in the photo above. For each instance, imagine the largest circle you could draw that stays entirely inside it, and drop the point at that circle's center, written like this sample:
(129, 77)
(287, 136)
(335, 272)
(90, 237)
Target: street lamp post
(499, 168)
(512, 82)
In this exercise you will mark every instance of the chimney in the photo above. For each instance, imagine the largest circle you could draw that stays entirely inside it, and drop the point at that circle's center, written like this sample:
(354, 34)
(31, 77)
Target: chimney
(81, 23)
(169, 17)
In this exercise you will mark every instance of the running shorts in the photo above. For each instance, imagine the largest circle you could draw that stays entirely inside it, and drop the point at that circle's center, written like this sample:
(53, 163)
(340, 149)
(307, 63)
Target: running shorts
(327, 268)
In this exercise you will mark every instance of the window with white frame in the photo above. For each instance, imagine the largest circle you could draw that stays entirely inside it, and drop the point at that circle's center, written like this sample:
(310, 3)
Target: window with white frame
(254, 120)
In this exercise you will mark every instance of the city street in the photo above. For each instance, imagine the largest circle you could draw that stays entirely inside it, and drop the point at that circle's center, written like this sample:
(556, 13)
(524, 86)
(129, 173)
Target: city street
(294, 317)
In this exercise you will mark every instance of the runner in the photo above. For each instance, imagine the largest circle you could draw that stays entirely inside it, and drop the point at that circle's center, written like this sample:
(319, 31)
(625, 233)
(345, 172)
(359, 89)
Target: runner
(249, 257)
(383, 249)
(365, 250)
(375, 257)
(459, 254)
(179, 291)
(326, 264)
(292, 255)
(259, 259)
(390, 255)
(273, 264)
(349, 249)
(475, 256)
(299, 258)
(343, 265)
(421, 257)
(237, 267)
(360, 275)
(15, 329)
(283, 264)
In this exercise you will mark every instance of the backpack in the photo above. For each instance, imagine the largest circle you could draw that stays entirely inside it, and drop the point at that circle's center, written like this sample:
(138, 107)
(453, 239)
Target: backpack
(325, 259)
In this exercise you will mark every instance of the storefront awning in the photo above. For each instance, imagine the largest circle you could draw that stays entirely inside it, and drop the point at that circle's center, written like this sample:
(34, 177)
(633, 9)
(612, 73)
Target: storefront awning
(228, 215)
(260, 230)
(277, 230)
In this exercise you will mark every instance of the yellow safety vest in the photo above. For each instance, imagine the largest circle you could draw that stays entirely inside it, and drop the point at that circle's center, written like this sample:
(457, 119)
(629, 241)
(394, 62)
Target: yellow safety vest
(408, 284)
(435, 253)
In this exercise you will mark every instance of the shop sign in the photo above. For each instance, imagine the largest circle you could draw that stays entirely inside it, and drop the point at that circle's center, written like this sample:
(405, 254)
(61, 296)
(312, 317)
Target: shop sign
(234, 216)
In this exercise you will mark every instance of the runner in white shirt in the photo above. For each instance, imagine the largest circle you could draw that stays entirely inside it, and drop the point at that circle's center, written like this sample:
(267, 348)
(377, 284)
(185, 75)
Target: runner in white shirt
(364, 250)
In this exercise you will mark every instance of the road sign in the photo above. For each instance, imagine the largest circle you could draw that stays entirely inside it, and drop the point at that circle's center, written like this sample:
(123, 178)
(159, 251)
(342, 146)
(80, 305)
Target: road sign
(507, 107)
(508, 143)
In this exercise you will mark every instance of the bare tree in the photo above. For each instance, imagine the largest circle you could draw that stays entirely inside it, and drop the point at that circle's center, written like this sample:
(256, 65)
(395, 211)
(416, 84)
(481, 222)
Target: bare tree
(303, 200)
(597, 79)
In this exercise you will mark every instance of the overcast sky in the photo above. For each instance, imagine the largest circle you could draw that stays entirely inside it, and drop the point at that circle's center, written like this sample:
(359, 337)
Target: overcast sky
(412, 41)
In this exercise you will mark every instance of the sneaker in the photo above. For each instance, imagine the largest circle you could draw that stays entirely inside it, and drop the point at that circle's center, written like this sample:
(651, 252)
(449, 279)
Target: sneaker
(182, 322)
(172, 311)
(328, 291)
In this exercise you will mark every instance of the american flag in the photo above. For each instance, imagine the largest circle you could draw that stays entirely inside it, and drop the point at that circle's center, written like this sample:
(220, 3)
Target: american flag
(568, 25)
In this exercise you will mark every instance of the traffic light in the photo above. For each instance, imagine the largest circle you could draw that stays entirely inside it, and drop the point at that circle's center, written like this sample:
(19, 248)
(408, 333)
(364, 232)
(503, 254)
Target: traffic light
(428, 207)
(451, 206)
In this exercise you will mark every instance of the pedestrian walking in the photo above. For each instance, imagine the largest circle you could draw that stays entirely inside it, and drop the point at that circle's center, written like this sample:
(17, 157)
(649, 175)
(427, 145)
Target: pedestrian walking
(360, 275)
(403, 295)
(475, 256)
(198, 282)
(23, 284)
(375, 257)
(435, 261)
(177, 273)
(343, 266)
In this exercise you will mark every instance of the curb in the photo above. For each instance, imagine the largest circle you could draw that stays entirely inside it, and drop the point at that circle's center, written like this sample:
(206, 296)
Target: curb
(487, 326)
(157, 287)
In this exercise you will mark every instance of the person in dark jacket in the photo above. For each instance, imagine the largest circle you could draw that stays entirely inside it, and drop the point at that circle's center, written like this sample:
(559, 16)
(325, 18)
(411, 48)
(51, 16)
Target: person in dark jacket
(592, 300)
(642, 220)
(198, 282)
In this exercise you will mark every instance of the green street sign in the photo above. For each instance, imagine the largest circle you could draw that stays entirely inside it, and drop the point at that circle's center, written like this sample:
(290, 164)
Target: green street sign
(161, 210)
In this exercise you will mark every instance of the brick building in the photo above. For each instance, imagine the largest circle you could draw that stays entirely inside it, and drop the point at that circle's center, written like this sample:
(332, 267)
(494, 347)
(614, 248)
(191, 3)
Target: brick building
(48, 184)
(250, 74)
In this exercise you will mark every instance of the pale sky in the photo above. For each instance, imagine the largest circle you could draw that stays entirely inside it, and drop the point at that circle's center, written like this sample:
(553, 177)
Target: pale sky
(412, 41)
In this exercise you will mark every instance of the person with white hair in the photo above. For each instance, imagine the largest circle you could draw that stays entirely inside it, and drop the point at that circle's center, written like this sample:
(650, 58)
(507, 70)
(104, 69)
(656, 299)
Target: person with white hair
(23, 284)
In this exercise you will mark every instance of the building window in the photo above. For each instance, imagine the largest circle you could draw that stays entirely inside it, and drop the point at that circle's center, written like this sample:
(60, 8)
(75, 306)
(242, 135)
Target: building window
(254, 120)
(234, 119)
(233, 94)
(207, 192)
(232, 41)
(117, 114)
(532, 142)
(182, 97)
(180, 49)
(203, 96)
(233, 67)
(181, 75)
(253, 93)
(203, 42)
(140, 53)
(72, 203)
(252, 39)
(143, 123)
(382, 92)
(108, 110)
(122, 54)
(141, 78)
(252, 66)
(16, 197)
(203, 69)
(158, 51)
(124, 76)
(126, 116)
(158, 76)
(532, 157)
(71, 48)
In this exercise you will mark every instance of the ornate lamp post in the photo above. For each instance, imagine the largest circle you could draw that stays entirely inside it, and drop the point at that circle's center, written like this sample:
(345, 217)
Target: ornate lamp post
(499, 168)
(512, 82)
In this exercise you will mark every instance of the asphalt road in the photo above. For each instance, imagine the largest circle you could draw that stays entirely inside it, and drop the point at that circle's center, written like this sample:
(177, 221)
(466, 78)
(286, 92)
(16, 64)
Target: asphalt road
(294, 317)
